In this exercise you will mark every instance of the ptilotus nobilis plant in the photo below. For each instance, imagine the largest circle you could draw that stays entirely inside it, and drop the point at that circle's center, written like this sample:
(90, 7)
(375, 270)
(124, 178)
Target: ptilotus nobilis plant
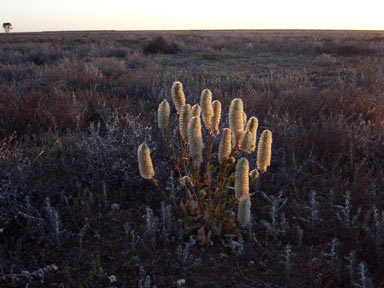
(217, 184)
(145, 162)
(178, 96)
(163, 114)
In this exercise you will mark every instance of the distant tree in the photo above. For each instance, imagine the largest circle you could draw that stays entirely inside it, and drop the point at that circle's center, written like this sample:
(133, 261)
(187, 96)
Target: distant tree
(7, 26)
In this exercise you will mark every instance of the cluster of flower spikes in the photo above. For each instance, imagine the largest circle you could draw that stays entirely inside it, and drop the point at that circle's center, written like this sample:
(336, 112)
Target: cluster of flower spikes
(240, 135)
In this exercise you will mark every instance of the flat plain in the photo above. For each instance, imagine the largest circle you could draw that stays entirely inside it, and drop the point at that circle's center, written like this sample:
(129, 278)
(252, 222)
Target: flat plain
(74, 107)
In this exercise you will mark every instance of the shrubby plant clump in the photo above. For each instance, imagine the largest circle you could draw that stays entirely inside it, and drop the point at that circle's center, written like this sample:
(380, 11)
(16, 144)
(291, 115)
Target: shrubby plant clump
(216, 181)
(161, 45)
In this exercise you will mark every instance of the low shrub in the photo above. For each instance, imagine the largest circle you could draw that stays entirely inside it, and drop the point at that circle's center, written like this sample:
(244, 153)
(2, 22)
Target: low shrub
(118, 53)
(161, 45)
(325, 59)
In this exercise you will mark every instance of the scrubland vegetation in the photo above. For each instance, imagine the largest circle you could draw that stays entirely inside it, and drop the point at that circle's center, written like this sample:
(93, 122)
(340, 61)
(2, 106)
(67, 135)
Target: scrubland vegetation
(75, 106)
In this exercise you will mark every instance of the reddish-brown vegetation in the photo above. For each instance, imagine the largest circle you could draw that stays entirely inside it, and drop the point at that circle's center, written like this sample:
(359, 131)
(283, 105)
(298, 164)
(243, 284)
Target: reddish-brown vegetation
(161, 45)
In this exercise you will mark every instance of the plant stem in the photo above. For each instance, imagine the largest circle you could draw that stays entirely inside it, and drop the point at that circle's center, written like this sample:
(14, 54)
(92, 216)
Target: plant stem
(158, 187)
(172, 150)
(208, 173)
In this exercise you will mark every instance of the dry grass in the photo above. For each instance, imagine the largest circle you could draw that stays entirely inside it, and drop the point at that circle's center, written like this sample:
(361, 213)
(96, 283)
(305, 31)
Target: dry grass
(75, 105)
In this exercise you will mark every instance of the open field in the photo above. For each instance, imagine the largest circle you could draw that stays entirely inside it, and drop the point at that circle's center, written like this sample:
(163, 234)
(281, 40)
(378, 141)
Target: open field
(74, 107)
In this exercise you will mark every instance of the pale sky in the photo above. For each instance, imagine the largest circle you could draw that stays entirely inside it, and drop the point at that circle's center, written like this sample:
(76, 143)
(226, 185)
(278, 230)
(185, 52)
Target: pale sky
(54, 15)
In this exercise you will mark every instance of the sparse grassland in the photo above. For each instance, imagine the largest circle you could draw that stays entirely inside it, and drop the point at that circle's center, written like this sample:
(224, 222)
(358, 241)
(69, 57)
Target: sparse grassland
(74, 107)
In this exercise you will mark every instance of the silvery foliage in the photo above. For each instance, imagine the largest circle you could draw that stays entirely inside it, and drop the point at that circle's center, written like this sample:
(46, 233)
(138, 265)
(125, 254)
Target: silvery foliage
(345, 215)
(331, 198)
(379, 227)
(53, 221)
(299, 233)
(134, 240)
(351, 259)
(332, 257)
(30, 276)
(11, 207)
(276, 226)
(151, 227)
(82, 233)
(171, 186)
(236, 246)
(104, 275)
(112, 152)
(168, 223)
(9, 151)
(105, 195)
(363, 280)
(145, 281)
(186, 260)
(167, 226)
(286, 257)
(251, 232)
(180, 283)
(360, 272)
(314, 215)
(182, 254)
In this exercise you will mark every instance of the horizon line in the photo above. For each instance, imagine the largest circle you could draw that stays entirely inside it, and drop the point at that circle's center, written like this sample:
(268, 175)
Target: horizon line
(197, 30)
